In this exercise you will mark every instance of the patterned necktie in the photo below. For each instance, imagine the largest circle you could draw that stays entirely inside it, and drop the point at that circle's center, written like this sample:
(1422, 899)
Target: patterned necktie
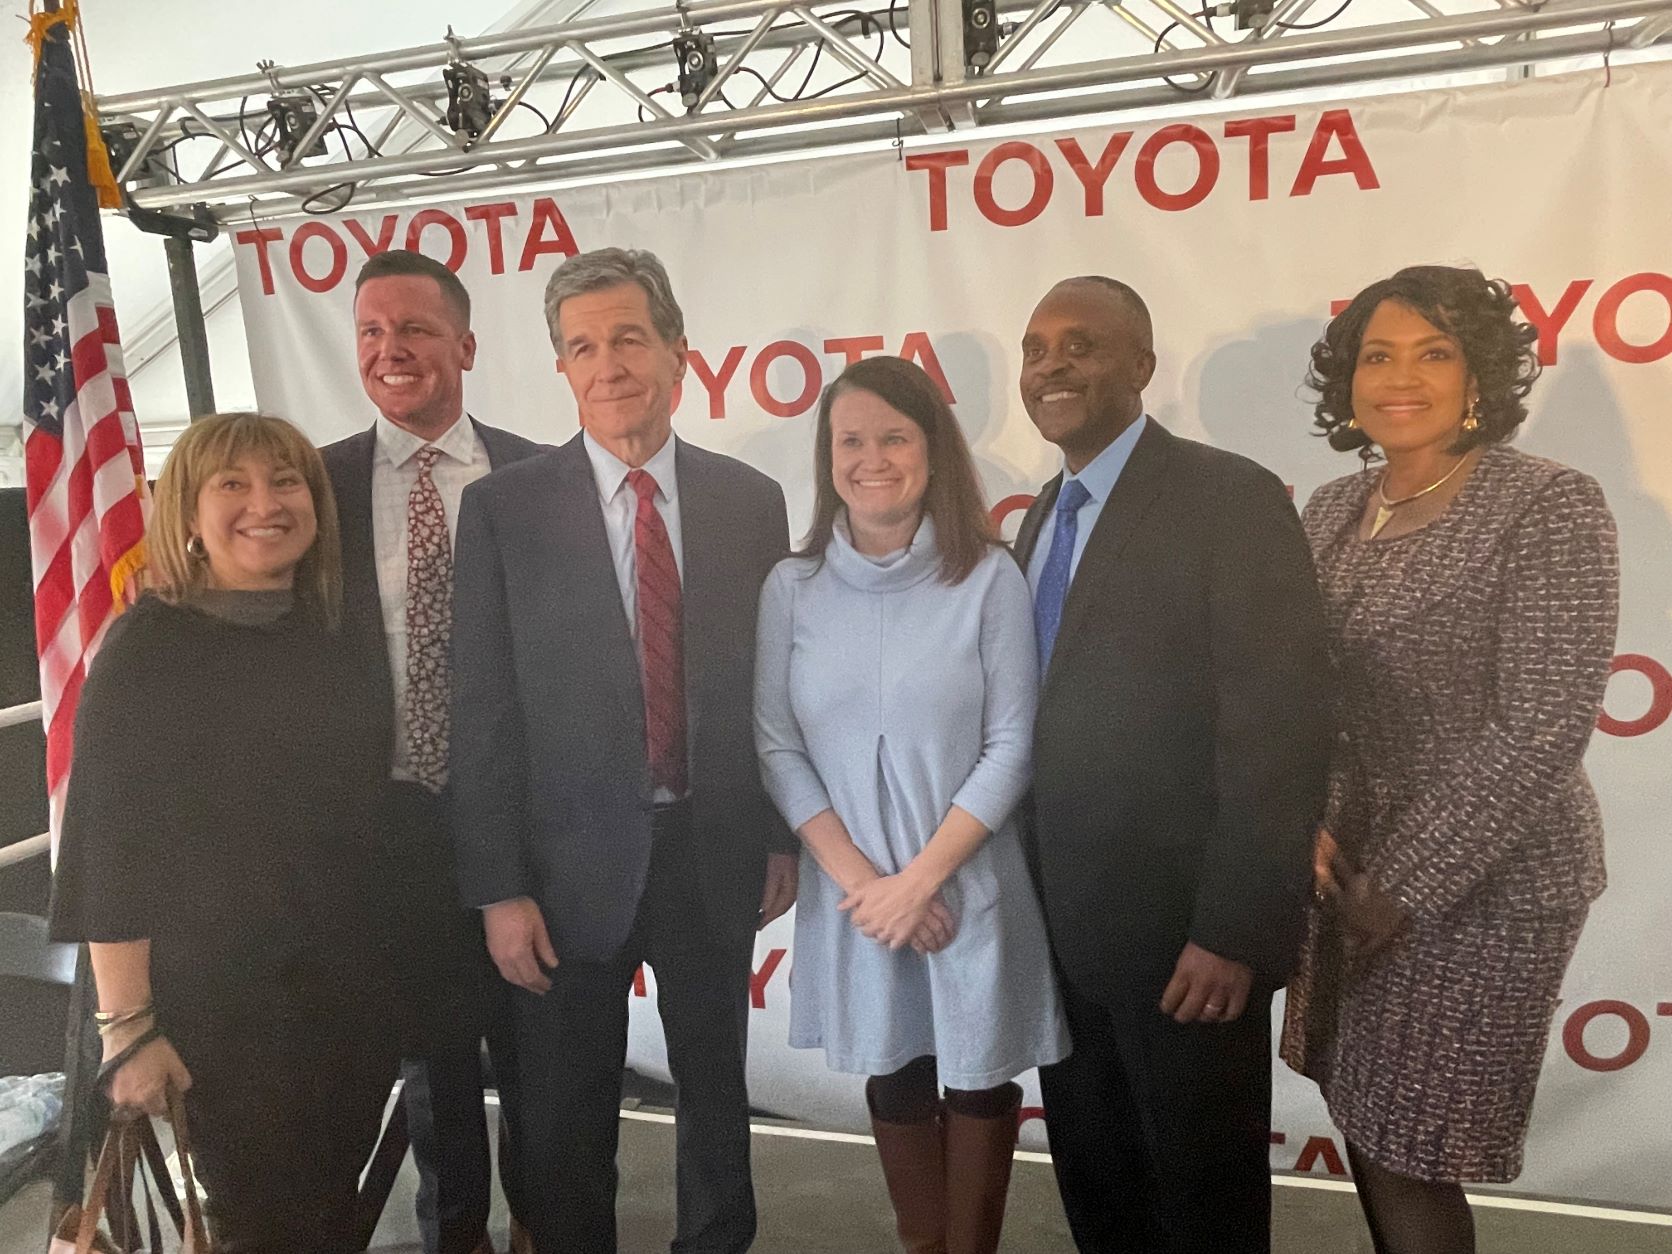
(429, 622)
(1053, 580)
(661, 639)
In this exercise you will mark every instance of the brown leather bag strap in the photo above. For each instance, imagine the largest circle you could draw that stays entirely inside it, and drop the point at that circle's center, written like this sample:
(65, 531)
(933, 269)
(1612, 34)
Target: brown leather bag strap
(98, 1191)
(194, 1233)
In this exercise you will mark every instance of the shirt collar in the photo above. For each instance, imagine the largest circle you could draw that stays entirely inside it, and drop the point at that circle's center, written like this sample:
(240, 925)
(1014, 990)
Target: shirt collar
(399, 445)
(610, 471)
(1098, 476)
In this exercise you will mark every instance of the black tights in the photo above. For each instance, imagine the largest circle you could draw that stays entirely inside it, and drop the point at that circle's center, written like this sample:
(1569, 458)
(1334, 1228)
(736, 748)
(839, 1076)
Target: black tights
(1409, 1216)
(912, 1095)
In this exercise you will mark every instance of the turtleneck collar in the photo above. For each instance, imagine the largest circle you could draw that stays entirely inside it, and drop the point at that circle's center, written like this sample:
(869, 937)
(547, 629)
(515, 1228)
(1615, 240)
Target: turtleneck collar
(901, 569)
(246, 608)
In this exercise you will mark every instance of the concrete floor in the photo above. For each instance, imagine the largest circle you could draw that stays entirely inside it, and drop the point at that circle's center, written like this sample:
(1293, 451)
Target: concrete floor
(827, 1197)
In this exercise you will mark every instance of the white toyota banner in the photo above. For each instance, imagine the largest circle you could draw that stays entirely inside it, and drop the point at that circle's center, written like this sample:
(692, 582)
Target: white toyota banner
(1240, 231)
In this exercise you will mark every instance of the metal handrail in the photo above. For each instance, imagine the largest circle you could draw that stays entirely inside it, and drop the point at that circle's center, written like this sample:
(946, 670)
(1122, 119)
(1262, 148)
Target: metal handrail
(17, 715)
(23, 850)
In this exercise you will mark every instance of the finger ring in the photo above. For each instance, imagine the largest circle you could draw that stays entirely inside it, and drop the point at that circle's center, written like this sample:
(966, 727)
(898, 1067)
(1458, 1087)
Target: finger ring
(1213, 1010)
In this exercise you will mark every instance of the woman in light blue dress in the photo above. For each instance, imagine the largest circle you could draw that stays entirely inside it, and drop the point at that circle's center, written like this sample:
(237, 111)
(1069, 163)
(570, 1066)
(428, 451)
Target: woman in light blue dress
(894, 698)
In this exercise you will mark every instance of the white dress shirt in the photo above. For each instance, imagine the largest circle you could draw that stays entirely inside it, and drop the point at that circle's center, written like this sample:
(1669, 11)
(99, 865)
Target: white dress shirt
(463, 460)
(621, 506)
(1099, 477)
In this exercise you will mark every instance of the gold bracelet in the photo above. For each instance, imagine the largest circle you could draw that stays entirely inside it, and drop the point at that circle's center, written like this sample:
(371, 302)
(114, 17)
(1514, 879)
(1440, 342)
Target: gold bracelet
(109, 1020)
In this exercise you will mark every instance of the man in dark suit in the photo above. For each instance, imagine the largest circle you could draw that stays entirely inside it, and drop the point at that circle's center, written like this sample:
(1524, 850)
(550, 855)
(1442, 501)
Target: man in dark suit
(609, 810)
(397, 486)
(1179, 767)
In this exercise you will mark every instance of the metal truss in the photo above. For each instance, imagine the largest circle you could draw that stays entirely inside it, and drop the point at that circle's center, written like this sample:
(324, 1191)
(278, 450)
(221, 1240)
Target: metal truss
(591, 97)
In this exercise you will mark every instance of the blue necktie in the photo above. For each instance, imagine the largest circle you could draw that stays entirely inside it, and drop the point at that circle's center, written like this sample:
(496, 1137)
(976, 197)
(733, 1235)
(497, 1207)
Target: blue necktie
(1053, 580)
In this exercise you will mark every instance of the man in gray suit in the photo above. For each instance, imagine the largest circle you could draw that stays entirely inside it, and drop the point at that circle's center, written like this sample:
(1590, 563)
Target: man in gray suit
(608, 810)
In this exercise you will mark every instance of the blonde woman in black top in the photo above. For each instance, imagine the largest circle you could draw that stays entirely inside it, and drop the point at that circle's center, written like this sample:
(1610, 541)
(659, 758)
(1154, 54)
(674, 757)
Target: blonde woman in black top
(221, 847)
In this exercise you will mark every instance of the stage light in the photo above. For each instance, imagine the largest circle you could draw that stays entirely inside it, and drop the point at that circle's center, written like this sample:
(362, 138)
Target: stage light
(693, 50)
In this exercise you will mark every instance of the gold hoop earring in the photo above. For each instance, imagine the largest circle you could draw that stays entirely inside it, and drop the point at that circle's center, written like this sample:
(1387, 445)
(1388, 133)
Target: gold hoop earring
(194, 548)
(1352, 423)
(1471, 420)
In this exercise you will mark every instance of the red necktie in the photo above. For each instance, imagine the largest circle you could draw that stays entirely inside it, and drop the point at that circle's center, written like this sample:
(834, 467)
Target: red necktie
(661, 639)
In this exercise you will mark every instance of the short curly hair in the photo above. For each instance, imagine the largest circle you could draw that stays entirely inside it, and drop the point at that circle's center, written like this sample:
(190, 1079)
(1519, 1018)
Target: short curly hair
(1478, 312)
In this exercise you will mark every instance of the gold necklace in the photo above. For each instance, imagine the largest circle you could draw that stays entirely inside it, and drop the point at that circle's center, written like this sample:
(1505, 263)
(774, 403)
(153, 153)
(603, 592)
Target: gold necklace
(1385, 508)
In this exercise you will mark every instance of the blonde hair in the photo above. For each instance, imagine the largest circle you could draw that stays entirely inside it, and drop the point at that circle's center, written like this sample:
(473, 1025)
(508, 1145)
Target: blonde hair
(209, 446)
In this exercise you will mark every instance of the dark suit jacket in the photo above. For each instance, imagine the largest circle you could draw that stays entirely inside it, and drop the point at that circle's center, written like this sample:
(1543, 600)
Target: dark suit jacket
(551, 784)
(1181, 747)
(349, 463)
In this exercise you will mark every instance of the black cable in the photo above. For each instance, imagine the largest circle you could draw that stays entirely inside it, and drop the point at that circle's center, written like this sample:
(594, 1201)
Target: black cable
(545, 122)
(893, 5)
(1345, 5)
(342, 204)
(1207, 80)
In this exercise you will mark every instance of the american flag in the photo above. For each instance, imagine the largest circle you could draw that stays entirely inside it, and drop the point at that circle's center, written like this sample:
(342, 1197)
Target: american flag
(85, 471)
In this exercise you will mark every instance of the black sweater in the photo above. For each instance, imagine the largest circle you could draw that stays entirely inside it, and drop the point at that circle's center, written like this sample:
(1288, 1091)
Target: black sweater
(224, 802)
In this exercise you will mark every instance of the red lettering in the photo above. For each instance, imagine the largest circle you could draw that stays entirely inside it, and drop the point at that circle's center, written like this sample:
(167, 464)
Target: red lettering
(715, 383)
(1043, 180)
(937, 164)
(493, 215)
(1258, 132)
(812, 378)
(1637, 1035)
(1336, 124)
(1660, 697)
(1005, 508)
(639, 989)
(916, 347)
(1606, 321)
(1026, 1113)
(455, 230)
(1094, 178)
(1550, 323)
(854, 347)
(759, 979)
(547, 217)
(339, 256)
(1321, 1148)
(369, 246)
(1207, 167)
(1336, 306)
(261, 237)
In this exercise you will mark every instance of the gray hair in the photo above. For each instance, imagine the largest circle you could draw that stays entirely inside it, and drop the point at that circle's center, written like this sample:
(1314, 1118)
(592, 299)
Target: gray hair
(611, 267)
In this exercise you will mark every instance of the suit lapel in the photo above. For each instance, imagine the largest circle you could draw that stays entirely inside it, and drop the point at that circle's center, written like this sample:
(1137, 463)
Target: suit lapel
(1139, 484)
(354, 518)
(588, 573)
(1027, 535)
(704, 584)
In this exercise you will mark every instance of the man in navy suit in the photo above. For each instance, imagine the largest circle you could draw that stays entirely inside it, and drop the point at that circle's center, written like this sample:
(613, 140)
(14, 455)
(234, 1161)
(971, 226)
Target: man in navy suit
(608, 806)
(397, 486)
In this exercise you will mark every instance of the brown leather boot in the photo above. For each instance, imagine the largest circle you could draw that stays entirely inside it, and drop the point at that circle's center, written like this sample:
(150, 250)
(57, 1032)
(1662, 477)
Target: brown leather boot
(978, 1158)
(912, 1164)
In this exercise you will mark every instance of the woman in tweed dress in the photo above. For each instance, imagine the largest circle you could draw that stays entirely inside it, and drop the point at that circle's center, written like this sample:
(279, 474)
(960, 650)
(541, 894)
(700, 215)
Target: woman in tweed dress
(1472, 596)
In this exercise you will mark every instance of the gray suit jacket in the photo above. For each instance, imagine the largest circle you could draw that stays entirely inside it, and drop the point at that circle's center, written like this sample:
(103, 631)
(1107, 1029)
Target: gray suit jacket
(550, 780)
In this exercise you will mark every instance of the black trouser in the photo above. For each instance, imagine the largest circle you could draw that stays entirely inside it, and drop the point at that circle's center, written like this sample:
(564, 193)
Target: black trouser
(1160, 1131)
(571, 1044)
(284, 1110)
(453, 997)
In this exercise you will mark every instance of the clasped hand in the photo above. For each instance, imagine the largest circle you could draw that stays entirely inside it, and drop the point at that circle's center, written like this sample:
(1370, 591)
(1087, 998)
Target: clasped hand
(899, 910)
(1371, 918)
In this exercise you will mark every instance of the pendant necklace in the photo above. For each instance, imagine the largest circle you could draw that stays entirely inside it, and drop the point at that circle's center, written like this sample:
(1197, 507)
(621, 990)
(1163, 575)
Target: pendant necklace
(1385, 507)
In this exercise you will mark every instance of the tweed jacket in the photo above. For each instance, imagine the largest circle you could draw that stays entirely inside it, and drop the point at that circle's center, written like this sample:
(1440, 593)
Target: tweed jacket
(1471, 657)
